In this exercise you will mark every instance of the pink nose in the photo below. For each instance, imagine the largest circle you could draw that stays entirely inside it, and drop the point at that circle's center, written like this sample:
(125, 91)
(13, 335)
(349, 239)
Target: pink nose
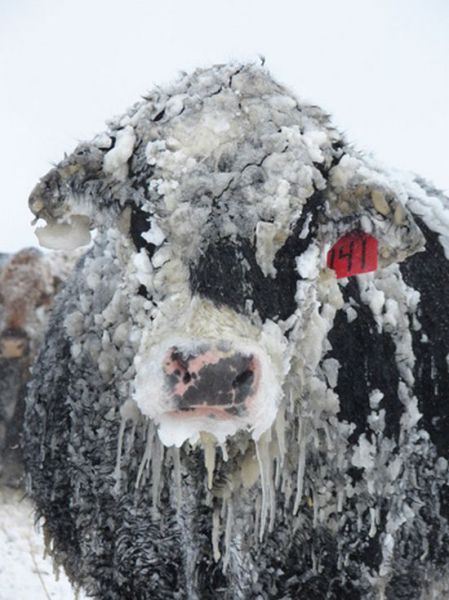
(211, 382)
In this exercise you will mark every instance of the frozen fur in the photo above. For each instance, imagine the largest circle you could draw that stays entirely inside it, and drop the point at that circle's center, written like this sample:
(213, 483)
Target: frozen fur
(215, 200)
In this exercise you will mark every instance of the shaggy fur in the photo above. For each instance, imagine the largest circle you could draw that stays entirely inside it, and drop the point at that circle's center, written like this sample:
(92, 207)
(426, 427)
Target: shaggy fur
(216, 200)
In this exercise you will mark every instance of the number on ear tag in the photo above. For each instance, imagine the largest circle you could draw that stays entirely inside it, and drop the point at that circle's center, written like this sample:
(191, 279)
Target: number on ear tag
(354, 253)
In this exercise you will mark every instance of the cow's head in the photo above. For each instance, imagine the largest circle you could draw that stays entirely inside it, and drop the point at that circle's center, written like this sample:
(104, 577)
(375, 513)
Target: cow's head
(227, 204)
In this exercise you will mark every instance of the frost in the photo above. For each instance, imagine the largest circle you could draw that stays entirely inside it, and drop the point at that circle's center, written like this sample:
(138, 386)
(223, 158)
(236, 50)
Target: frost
(153, 149)
(269, 238)
(143, 268)
(155, 235)
(371, 295)
(345, 171)
(115, 161)
(330, 367)
(364, 454)
(249, 471)
(308, 263)
(231, 157)
(65, 236)
(315, 140)
(74, 324)
(161, 256)
(103, 141)
(351, 314)
(306, 227)
(376, 421)
(375, 399)
(412, 415)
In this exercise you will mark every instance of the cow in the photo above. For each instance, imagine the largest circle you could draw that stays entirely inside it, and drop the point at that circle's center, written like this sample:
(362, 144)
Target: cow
(29, 281)
(242, 392)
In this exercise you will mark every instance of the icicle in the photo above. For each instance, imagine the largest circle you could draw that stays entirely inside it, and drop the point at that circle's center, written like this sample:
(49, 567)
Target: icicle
(216, 534)
(208, 442)
(314, 562)
(272, 500)
(261, 457)
(156, 468)
(291, 402)
(257, 516)
(280, 434)
(56, 568)
(315, 508)
(223, 510)
(287, 490)
(121, 433)
(265, 466)
(329, 442)
(301, 467)
(177, 474)
(359, 523)
(146, 458)
(129, 411)
(224, 451)
(228, 532)
(249, 470)
(340, 499)
(373, 528)
(277, 473)
(132, 436)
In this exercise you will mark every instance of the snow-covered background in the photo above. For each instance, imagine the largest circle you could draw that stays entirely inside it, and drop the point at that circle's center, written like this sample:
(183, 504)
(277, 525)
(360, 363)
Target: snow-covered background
(380, 67)
(25, 573)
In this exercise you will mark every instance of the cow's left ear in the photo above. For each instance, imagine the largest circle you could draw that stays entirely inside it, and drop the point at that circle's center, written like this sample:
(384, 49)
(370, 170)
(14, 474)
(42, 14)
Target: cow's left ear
(369, 206)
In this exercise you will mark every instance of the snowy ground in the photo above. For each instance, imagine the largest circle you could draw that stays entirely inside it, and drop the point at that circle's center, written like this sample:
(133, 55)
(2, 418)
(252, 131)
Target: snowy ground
(24, 572)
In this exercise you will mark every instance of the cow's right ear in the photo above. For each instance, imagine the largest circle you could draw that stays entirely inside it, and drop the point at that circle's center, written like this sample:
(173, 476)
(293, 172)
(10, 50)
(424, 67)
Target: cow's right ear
(88, 189)
(367, 210)
(65, 199)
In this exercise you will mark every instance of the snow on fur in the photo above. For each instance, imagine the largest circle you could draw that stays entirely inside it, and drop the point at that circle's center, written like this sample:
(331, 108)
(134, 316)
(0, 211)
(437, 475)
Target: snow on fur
(216, 200)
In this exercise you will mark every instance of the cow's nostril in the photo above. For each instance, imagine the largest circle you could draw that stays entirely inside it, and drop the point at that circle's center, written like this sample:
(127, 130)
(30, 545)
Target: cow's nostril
(244, 378)
(187, 377)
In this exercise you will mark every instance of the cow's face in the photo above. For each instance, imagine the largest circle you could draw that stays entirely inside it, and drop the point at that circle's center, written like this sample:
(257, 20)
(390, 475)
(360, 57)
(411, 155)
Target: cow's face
(220, 201)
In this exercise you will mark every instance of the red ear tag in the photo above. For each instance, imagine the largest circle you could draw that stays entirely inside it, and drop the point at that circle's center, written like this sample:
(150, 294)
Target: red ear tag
(354, 253)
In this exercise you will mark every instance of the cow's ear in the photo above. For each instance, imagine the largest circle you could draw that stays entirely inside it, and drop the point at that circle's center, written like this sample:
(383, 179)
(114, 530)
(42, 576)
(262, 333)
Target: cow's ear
(66, 201)
(367, 213)
(88, 189)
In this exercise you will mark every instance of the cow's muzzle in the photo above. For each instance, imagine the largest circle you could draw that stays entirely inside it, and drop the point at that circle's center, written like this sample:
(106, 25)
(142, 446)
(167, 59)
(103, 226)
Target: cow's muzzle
(192, 385)
(213, 381)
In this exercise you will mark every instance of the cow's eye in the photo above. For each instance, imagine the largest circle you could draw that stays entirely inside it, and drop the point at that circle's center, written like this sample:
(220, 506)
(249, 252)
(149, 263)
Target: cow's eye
(140, 226)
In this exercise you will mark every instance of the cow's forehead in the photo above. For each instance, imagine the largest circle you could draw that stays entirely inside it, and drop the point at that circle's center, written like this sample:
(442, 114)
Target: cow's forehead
(232, 144)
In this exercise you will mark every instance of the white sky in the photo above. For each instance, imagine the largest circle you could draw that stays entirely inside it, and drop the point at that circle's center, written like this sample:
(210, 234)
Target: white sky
(380, 67)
